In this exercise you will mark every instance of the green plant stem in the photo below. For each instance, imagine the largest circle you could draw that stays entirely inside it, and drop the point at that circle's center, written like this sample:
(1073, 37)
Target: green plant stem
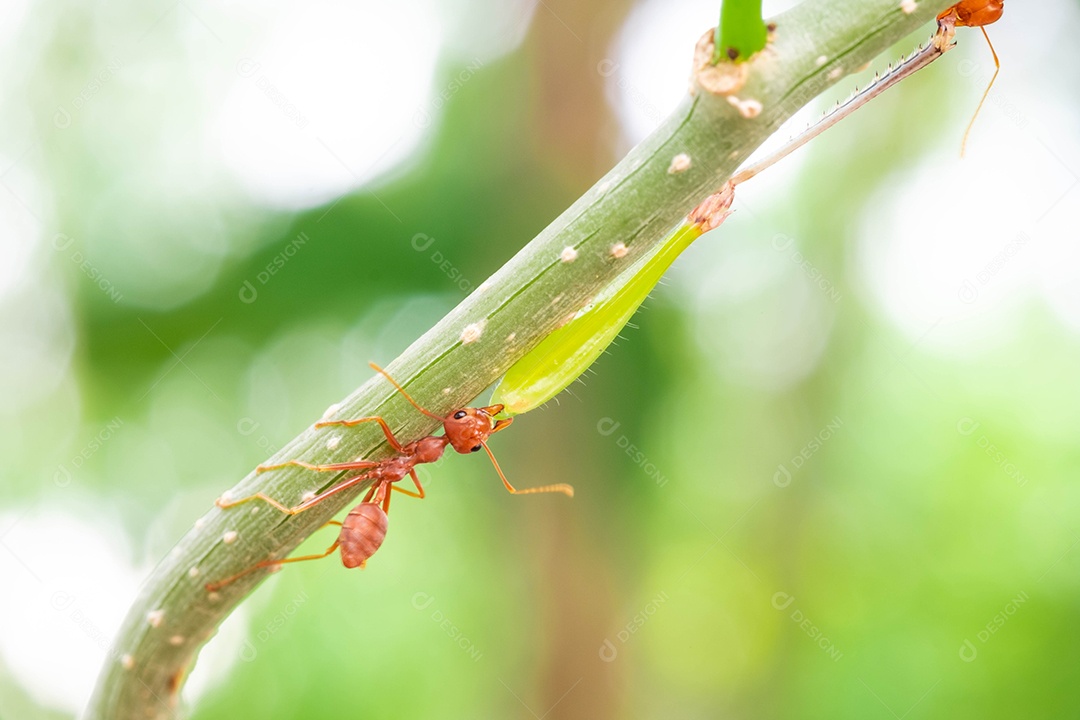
(741, 31)
(636, 204)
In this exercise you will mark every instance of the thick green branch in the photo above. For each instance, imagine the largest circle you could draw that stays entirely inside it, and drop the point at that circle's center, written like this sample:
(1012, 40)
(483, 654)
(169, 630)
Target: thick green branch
(635, 204)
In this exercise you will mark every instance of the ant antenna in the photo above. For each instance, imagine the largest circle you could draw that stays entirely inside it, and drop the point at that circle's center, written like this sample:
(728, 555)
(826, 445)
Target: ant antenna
(997, 69)
(565, 489)
(401, 390)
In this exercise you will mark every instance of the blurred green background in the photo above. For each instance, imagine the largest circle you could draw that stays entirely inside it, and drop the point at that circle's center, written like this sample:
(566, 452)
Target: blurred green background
(830, 473)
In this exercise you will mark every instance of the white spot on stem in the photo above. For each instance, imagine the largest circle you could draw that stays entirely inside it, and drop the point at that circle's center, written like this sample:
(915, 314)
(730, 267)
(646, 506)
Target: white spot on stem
(619, 250)
(908, 6)
(568, 255)
(310, 494)
(472, 332)
(333, 442)
(748, 108)
(679, 163)
(331, 411)
(127, 662)
(193, 572)
(176, 640)
(230, 537)
(154, 617)
(822, 59)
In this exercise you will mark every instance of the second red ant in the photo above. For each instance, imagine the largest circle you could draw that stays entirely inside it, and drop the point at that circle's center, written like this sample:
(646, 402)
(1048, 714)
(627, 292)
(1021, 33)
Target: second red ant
(466, 430)
(974, 13)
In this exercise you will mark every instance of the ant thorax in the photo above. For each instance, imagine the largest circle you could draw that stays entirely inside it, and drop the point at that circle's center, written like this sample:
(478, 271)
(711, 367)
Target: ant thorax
(426, 450)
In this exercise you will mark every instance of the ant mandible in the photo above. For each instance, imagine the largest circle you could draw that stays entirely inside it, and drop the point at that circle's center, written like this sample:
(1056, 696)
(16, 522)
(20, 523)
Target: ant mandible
(362, 533)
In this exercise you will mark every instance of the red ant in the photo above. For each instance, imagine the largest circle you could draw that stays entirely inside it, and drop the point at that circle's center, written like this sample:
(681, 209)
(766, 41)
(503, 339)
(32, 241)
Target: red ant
(466, 430)
(974, 13)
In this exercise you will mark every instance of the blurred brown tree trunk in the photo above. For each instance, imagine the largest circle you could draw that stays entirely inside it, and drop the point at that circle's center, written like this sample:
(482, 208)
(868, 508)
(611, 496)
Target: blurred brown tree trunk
(576, 132)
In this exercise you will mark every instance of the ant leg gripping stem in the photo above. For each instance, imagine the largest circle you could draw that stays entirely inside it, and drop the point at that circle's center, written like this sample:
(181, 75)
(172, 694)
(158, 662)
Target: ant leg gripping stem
(374, 418)
(215, 586)
(401, 390)
(332, 467)
(226, 504)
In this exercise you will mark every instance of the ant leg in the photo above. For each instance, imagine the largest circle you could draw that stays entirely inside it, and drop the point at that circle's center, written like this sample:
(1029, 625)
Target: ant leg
(333, 467)
(410, 493)
(367, 498)
(213, 587)
(986, 92)
(379, 494)
(559, 487)
(401, 390)
(225, 504)
(374, 418)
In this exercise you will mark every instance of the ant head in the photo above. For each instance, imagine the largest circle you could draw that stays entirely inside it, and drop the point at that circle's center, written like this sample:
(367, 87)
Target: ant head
(984, 13)
(975, 13)
(468, 428)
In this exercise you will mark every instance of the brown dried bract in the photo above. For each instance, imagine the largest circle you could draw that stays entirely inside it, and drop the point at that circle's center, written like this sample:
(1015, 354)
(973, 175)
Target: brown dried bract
(714, 209)
(723, 78)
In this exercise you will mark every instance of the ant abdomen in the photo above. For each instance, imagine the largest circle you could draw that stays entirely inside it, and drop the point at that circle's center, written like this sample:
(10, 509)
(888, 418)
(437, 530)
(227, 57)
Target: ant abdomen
(362, 534)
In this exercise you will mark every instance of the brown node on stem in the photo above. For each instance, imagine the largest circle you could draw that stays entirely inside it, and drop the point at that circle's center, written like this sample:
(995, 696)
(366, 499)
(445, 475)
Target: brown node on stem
(714, 209)
(723, 78)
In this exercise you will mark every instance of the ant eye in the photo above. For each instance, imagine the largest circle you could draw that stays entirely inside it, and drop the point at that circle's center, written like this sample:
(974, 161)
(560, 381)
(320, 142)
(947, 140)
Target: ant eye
(476, 449)
(459, 414)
